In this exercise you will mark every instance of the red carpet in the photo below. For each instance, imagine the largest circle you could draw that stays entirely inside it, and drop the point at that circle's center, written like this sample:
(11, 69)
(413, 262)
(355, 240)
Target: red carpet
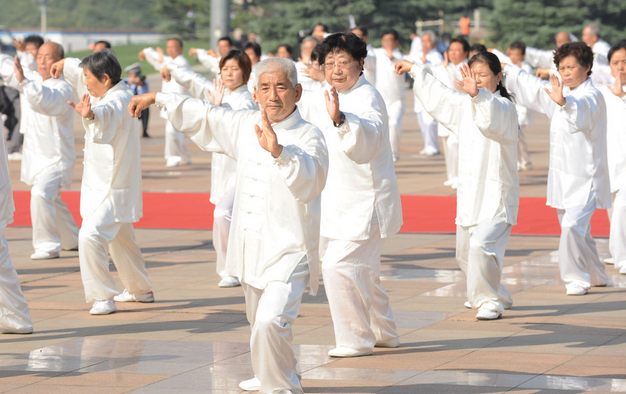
(422, 214)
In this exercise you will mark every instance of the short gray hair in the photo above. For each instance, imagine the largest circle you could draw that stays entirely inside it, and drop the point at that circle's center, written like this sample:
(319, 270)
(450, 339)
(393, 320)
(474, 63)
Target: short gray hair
(594, 29)
(311, 38)
(432, 34)
(277, 64)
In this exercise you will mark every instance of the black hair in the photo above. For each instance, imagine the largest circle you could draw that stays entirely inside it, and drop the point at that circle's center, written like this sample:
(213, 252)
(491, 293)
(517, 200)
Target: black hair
(255, 47)
(616, 47)
(462, 41)
(101, 63)
(495, 66)
(315, 53)
(288, 48)
(363, 30)
(180, 42)
(521, 45)
(242, 59)
(226, 38)
(337, 42)
(34, 39)
(581, 51)
(106, 44)
(323, 25)
(389, 31)
(478, 48)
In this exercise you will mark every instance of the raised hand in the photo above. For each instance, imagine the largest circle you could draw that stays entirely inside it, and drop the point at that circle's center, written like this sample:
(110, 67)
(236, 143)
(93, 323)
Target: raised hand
(159, 51)
(403, 66)
(468, 84)
(166, 74)
(543, 72)
(313, 73)
(211, 52)
(217, 95)
(19, 45)
(332, 105)
(618, 88)
(83, 107)
(557, 91)
(141, 102)
(267, 138)
(193, 51)
(141, 55)
(17, 69)
(57, 69)
(446, 59)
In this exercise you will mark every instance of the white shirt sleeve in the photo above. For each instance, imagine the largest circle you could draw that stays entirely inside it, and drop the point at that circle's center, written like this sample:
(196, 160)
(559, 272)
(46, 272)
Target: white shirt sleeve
(528, 90)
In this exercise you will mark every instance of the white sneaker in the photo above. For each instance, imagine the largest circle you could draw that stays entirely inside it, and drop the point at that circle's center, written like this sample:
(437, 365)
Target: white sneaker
(105, 307)
(449, 182)
(396, 157)
(454, 185)
(127, 297)
(345, 352)
(525, 167)
(15, 156)
(44, 255)
(229, 281)
(21, 330)
(609, 260)
(623, 270)
(393, 342)
(488, 314)
(467, 305)
(253, 384)
(173, 162)
(575, 289)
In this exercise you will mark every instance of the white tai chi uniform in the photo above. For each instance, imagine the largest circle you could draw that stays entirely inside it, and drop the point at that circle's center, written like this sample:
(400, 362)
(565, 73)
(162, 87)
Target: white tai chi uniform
(47, 157)
(14, 314)
(369, 65)
(427, 124)
(274, 237)
(616, 143)
(578, 178)
(208, 61)
(391, 87)
(360, 208)
(111, 199)
(488, 192)
(175, 150)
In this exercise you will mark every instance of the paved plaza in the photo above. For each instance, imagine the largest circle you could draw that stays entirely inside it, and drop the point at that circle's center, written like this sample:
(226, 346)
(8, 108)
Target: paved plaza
(194, 338)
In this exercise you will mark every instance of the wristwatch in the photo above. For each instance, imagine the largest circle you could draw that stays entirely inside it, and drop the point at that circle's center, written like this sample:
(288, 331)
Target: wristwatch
(342, 118)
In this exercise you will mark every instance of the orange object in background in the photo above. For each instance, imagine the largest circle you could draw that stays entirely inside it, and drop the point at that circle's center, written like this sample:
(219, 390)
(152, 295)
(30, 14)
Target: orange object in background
(464, 22)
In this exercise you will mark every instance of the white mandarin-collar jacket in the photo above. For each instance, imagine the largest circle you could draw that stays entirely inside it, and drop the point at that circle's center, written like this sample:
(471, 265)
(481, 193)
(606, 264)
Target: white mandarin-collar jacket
(389, 84)
(172, 86)
(486, 126)
(112, 156)
(6, 193)
(276, 215)
(361, 177)
(49, 131)
(616, 138)
(578, 151)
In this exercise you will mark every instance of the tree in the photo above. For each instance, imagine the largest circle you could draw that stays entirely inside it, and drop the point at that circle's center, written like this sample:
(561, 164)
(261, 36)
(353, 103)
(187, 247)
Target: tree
(175, 19)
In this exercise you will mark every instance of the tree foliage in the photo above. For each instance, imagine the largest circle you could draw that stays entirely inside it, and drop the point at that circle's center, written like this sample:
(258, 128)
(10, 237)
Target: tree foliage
(537, 22)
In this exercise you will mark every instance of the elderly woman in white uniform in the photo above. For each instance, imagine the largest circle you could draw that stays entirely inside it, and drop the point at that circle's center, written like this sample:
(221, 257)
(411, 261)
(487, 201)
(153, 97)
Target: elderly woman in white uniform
(578, 177)
(485, 121)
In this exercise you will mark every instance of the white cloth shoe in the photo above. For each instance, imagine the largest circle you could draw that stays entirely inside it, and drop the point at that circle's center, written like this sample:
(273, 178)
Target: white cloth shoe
(609, 260)
(396, 157)
(105, 307)
(488, 314)
(15, 156)
(346, 352)
(467, 305)
(173, 162)
(127, 297)
(575, 289)
(44, 255)
(623, 270)
(253, 384)
(22, 330)
(229, 281)
(429, 152)
(393, 342)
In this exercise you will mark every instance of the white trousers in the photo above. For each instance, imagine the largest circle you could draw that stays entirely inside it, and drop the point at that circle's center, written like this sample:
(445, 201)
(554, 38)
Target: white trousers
(14, 314)
(428, 127)
(359, 304)
(579, 262)
(271, 313)
(100, 235)
(617, 239)
(394, 111)
(222, 217)
(451, 154)
(175, 144)
(54, 227)
(523, 155)
(480, 253)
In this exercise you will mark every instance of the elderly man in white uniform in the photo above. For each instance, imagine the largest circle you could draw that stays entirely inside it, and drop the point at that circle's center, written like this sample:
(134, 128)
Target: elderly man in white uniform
(578, 177)
(175, 152)
(592, 37)
(391, 86)
(615, 97)
(427, 123)
(14, 314)
(111, 199)
(484, 118)
(274, 236)
(361, 202)
(48, 154)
